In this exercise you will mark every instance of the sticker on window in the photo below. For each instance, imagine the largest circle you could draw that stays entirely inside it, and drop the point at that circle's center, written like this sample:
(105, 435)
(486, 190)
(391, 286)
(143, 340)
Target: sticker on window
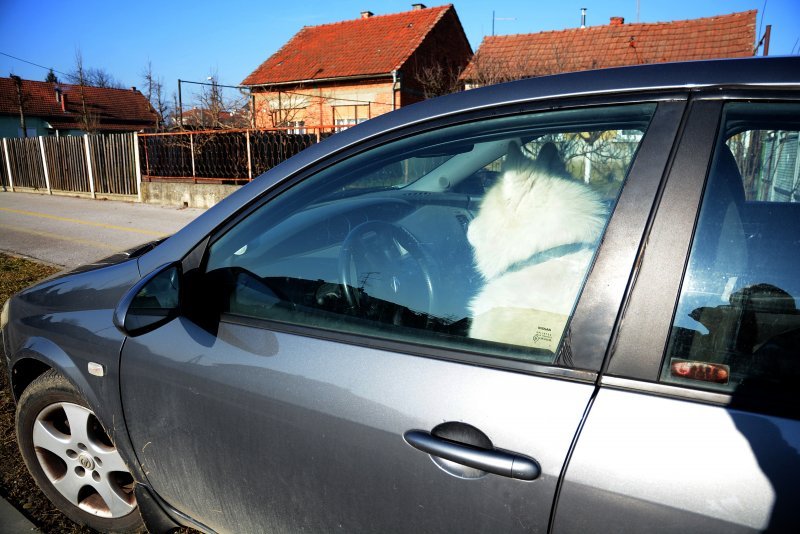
(703, 371)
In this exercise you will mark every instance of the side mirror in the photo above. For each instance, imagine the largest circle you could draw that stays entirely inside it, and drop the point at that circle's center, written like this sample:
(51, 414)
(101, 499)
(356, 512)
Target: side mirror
(152, 302)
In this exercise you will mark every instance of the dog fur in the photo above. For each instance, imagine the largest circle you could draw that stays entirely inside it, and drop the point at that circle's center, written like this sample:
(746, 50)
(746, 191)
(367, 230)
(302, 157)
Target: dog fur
(531, 210)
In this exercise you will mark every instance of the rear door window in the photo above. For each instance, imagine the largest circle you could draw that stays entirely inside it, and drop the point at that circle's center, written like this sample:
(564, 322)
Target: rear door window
(737, 324)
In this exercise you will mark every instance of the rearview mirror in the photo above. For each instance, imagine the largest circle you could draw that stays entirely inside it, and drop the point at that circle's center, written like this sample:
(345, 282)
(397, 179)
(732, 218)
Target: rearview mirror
(152, 302)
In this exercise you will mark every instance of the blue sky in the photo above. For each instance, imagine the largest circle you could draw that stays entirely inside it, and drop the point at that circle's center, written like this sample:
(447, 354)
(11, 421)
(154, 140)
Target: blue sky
(192, 39)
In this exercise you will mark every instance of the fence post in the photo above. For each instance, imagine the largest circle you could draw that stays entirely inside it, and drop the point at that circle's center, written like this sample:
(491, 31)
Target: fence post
(137, 162)
(191, 148)
(8, 165)
(89, 165)
(44, 164)
(249, 160)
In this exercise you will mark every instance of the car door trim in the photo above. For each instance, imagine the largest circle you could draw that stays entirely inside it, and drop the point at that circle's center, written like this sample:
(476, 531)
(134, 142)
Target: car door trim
(409, 348)
(665, 390)
(601, 299)
(645, 326)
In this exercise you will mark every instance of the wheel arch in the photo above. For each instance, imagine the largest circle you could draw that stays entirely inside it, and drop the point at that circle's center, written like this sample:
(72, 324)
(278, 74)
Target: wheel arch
(25, 371)
(37, 356)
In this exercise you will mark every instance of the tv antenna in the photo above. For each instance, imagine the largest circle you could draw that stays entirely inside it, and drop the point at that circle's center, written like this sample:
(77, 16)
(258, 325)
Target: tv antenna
(499, 18)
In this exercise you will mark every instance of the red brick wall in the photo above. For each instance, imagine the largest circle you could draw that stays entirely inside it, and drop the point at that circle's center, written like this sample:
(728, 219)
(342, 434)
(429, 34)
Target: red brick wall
(446, 45)
(319, 106)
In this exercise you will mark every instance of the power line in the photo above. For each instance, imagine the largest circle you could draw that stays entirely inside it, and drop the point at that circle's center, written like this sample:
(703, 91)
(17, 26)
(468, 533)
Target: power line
(307, 95)
(34, 64)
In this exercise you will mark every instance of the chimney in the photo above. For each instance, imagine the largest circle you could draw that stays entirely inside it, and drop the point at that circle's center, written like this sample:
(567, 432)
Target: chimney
(61, 98)
(617, 21)
(583, 17)
(366, 14)
(133, 88)
(417, 7)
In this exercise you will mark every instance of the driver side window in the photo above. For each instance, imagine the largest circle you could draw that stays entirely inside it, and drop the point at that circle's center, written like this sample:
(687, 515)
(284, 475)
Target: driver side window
(476, 236)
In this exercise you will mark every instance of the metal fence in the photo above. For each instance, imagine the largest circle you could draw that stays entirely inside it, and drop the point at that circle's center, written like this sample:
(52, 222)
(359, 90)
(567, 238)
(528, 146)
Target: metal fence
(221, 156)
(116, 164)
(94, 164)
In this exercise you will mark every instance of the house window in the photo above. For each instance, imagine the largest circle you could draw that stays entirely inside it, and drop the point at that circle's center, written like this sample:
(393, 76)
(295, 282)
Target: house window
(343, 124)
(347, 116)
(296, 127)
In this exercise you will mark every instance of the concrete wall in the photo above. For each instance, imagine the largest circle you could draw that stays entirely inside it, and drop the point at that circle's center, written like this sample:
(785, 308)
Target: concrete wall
(185, 194)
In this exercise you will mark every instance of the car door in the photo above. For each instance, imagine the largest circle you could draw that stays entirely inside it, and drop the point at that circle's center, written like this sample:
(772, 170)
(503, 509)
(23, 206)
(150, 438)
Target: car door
(328, 370)
(696, 427)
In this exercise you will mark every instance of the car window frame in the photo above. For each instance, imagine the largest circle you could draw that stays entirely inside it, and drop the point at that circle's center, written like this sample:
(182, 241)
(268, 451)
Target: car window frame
(615, 257)
(642, 340)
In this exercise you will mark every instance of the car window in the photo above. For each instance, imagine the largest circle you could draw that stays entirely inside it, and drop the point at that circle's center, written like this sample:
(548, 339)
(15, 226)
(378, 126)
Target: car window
(477, 236)
(737, 325)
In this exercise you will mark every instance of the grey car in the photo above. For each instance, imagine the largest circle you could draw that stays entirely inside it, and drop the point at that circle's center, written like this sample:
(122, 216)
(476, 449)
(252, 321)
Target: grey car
(564, 304)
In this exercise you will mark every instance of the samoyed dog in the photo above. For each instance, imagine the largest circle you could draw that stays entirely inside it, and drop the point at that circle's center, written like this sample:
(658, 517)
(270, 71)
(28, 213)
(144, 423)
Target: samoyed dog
(533, 239)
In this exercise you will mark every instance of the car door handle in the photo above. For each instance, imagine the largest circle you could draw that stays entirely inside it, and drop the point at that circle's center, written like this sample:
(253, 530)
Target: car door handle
(495, 461)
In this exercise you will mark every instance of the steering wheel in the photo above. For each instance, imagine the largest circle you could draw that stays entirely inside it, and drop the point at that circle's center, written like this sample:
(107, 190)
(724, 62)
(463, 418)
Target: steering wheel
(385, 261)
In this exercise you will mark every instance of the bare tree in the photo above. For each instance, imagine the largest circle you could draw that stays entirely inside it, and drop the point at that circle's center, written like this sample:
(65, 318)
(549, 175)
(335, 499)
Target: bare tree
(88, 119)
(284, 108)
(214, 110)
(176, 119)
(98, 77)
(485, 69)
(93, 77)
(154, 91)
(436, 79)
(489, 69)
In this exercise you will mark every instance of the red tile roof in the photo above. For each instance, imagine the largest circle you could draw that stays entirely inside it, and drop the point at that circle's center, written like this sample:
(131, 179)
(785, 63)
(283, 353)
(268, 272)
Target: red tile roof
(374, 45)
(112, 109)
(613, 45)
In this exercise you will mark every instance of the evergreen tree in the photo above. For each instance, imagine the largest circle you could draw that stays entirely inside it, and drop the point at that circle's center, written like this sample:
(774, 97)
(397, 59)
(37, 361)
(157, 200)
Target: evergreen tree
(51, 77)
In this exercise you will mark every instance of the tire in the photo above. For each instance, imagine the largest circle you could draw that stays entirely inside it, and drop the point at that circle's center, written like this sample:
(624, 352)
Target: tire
(72, 459)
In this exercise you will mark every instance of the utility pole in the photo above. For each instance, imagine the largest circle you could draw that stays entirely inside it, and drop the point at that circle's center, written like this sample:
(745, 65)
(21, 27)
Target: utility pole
(180, 105)
(764, 41)
(21, 101)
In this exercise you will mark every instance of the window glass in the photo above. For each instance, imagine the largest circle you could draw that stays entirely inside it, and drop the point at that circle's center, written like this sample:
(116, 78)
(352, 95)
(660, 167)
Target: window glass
(737, 325)
(475, 236)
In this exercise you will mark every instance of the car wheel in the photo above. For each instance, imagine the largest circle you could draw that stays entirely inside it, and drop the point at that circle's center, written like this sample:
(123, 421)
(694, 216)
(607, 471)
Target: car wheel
(72, 459)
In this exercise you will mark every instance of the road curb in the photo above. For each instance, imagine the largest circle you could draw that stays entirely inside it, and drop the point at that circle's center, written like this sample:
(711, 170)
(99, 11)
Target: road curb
(12, 521)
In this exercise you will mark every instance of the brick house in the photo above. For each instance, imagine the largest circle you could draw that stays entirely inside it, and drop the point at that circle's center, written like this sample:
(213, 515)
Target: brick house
(57, 109)
(344, 73)
(507, 57)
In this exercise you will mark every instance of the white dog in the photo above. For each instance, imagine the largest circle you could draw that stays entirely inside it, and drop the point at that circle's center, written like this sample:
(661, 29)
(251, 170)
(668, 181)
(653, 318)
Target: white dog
(533, 240)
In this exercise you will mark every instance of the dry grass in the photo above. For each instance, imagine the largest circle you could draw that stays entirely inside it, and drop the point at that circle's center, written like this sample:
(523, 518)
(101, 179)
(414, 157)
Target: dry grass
(17, 274)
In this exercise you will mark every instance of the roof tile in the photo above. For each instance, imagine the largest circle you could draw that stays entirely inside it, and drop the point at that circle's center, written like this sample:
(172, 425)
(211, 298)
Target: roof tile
(114, 109)
(550, 52)
(375, 45)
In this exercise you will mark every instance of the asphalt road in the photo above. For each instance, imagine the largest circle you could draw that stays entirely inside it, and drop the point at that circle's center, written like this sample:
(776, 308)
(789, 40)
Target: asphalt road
(69, 231)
